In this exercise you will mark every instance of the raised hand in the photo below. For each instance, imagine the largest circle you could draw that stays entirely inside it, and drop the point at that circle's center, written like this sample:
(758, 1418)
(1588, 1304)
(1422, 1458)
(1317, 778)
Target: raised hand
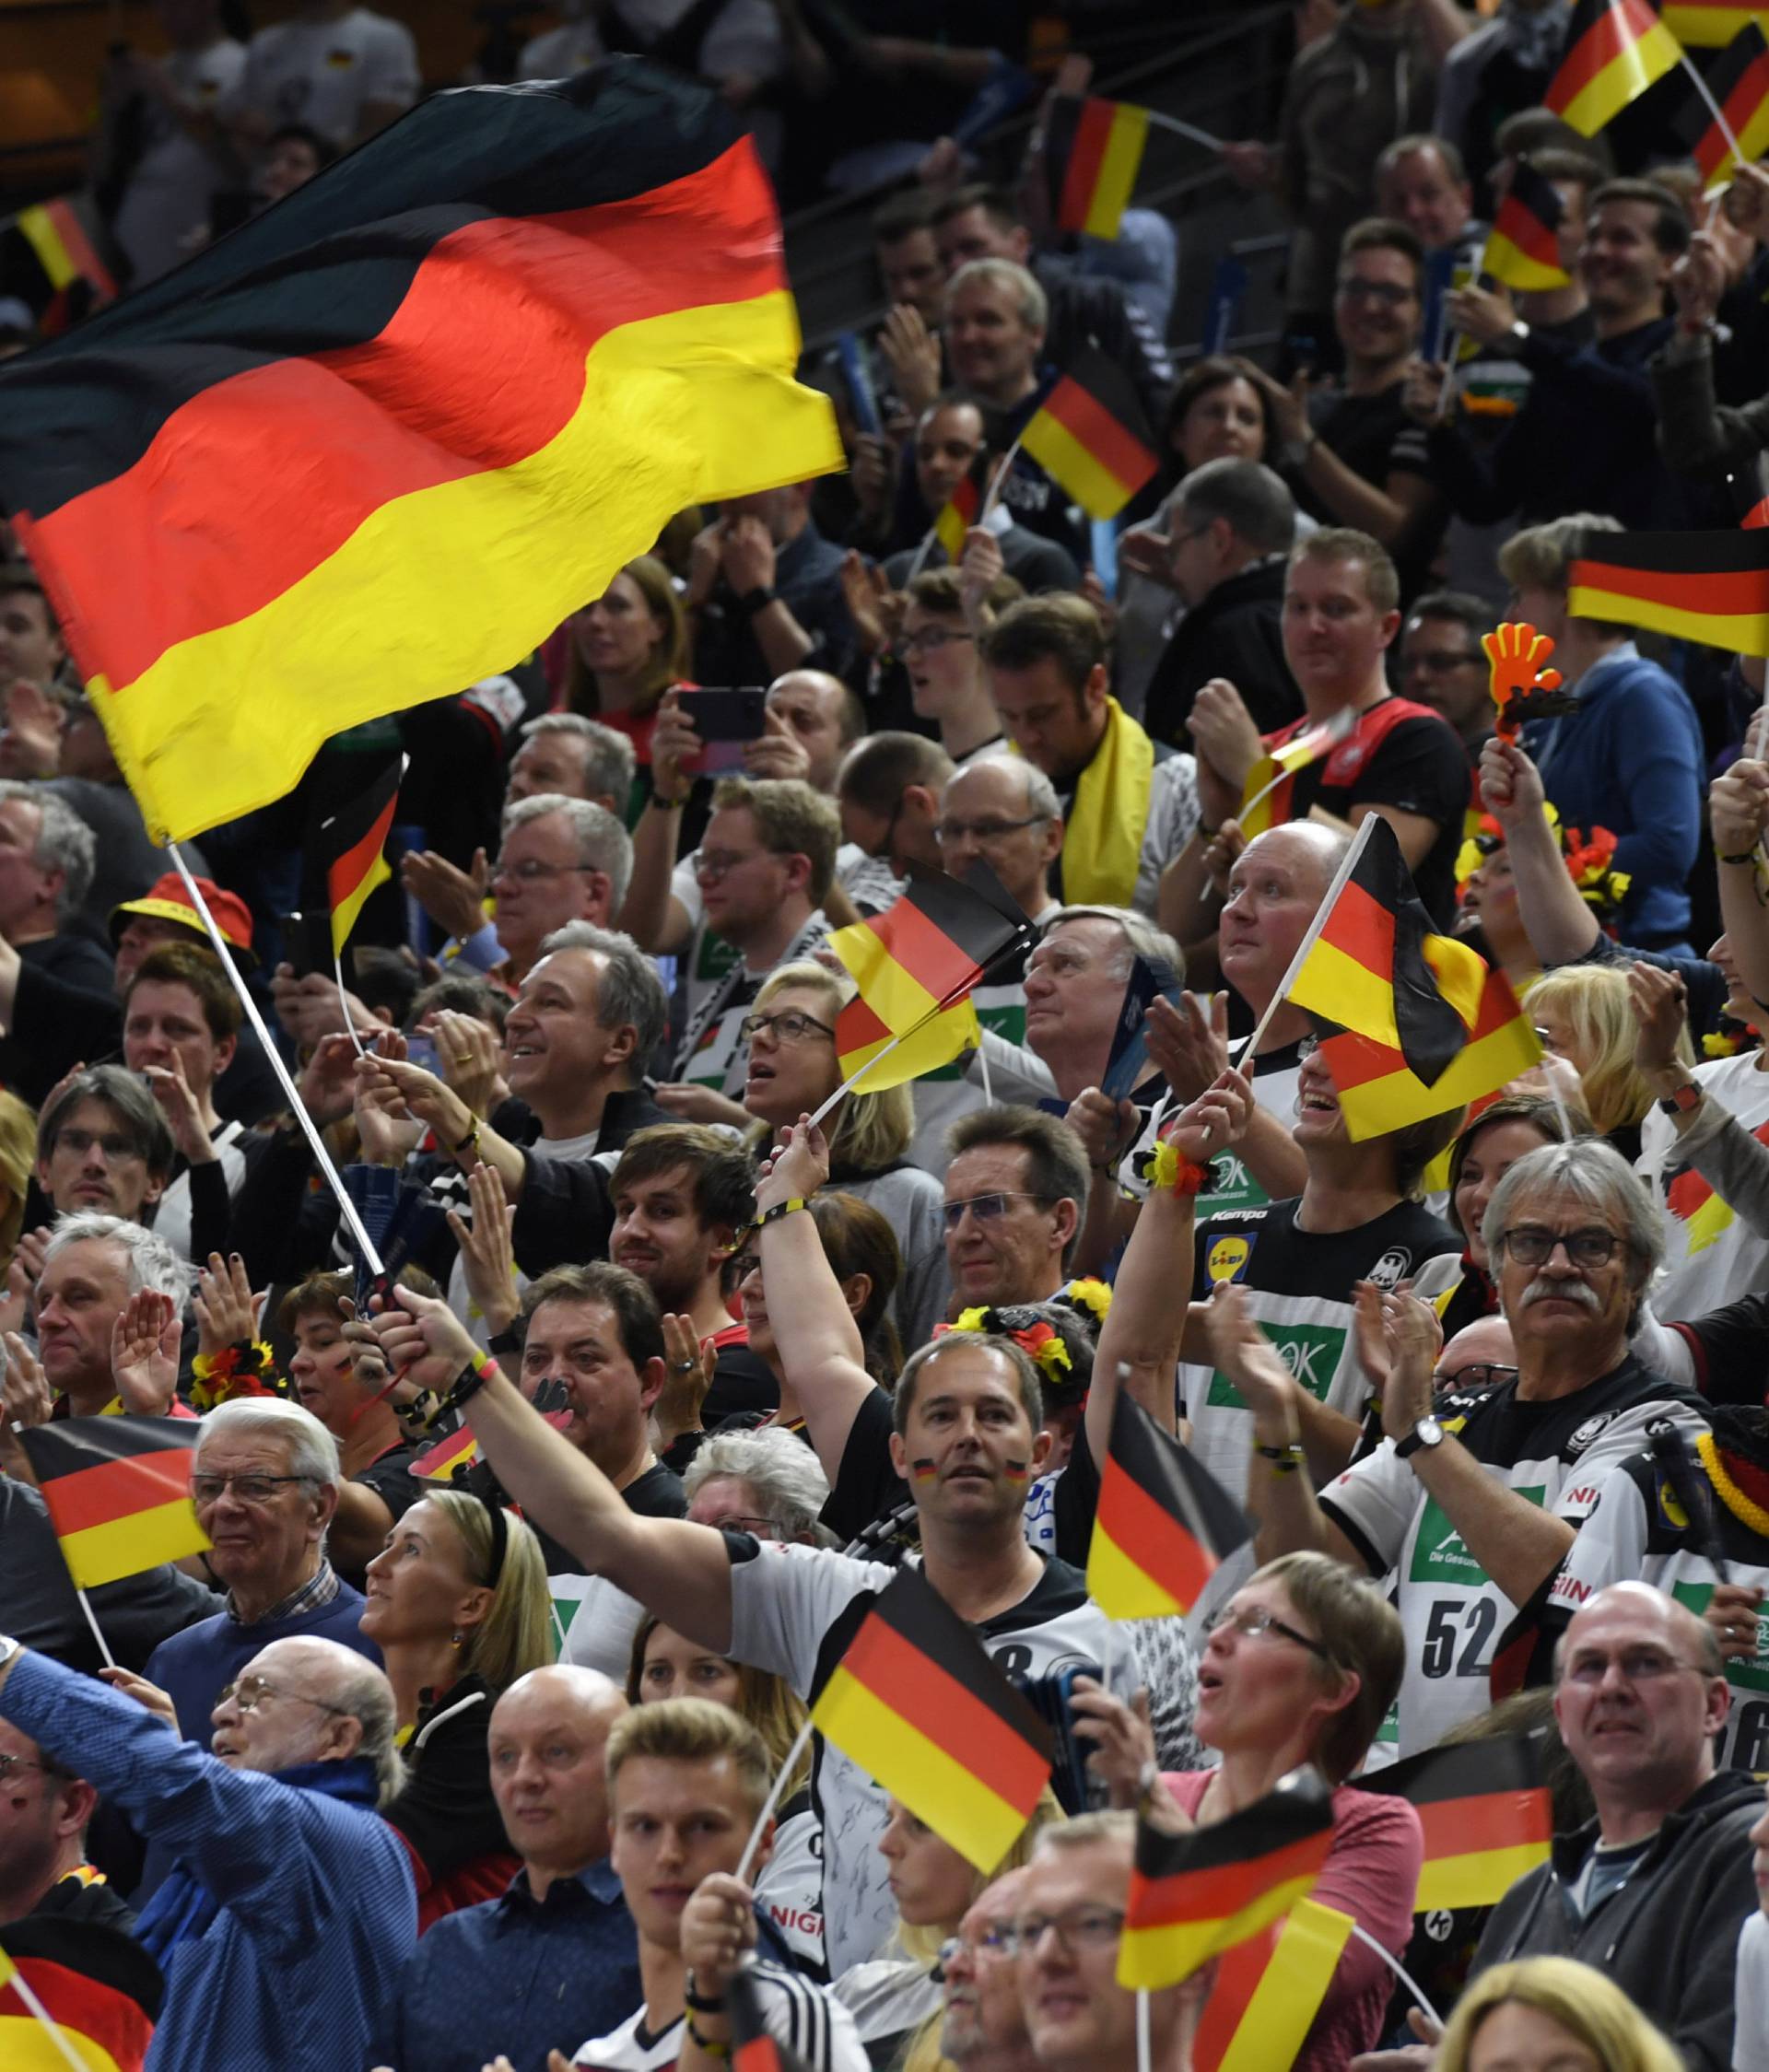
(1510, 784)
(423, 1340)
(780, 753)
(328, 1081)
(1660, 1005)
(144, 1352)
(797, 1169)
(1415, 1337)
(183, 1116)
(1189, 1042)
(689, 1361)
(1106, 1128)
(1215, 1121)
(913, 353)
(453, 898)
(676, 750)
(22, 1274)
(223, 1304)
(148, 1696)
(864, 589)
(487, 1256)
(470, 1055)
(1252, 1362)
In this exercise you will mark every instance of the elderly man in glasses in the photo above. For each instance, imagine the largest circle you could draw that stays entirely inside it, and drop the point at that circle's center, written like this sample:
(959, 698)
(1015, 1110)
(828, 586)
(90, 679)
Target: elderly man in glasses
(1469, 1506)
(266, 1484)
(284, 1929)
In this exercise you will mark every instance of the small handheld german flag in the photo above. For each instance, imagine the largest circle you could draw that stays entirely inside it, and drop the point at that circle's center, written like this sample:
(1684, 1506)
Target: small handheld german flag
(118, 1489)
(1614, 50)
(346, 853)
(1523, 246)
(752, 2049)
(1089, 435)
(1268, 1991)
(1163, 1523)
(1738, 84)
(1379, 1093)
(1705, 24)
(1486, 1813)
(1196, 1894)
(960, 511)
(915, 963)
(1265, 796)
(1708, 587)
(73, 1991)
(919, 1708)
(1092, 150)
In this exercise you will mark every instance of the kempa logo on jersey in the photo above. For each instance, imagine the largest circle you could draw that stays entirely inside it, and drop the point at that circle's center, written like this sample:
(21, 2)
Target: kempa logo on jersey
(1438, 1553)
(1311, 1351)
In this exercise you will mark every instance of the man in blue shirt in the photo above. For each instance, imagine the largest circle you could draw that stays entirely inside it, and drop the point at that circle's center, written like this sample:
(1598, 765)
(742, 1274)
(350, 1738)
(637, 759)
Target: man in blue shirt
(556, 1959)
(284, 1929)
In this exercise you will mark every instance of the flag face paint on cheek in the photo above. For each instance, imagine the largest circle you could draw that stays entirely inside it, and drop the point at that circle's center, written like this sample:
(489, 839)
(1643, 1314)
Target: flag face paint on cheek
(923, 1470)
(1017, 1471)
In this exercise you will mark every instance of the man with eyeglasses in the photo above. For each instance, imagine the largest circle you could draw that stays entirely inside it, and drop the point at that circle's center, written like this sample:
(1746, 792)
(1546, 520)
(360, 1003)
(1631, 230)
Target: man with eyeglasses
(984, 2027)
(888, 796)
(942, 654)
(285, 1927)
(1472, 1502)
(1065, 1939)
(103, 1144)
(1441, 663)
(1479, 1357)
(1654, 1890)
(266, 1484)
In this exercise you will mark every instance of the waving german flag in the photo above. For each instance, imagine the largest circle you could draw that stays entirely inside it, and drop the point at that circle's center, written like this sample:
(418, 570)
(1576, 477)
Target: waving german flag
(1487, 1814)
(346, 853)
(1740, 86)
(1709, 24)
(923, 1711)
(1709, 587)
(1615, 50)
(1164, 1525)
(378, 443)
(1196, 1894)
(96, 1983)
(1093, 149)
(1379, 1093)
(958, 513)
(1089, 436)
(118, 1489)
(1268, 1991)
(1523, 246)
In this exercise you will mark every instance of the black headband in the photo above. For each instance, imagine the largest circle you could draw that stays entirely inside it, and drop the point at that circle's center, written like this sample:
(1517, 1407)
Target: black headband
(500, 1538)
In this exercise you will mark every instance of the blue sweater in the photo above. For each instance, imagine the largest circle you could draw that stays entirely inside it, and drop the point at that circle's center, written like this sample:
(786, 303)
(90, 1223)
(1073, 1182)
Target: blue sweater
(1630, 759)
(301, 1967)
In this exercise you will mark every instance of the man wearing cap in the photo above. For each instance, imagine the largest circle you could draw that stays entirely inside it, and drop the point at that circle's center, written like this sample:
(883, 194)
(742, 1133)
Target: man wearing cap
(62, 1024)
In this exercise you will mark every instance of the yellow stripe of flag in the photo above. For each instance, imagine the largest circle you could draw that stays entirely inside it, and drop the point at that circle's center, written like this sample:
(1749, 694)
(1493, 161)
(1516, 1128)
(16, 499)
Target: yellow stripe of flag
(1114, 1578)
(1289, 1991)
(1740, 634)
(1337, 986)
(125, 1546)
(937, 1043)
(1636, 65)
(1471, 1880)
(52, 255)
(1400, 1098)
(1118, 169)
(935, 1786)
(1156, 1956)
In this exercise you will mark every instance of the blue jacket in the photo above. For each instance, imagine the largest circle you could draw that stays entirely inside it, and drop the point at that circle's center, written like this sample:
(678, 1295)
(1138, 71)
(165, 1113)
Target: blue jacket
(194, 1667)
(301, 1967)
(1630, 759)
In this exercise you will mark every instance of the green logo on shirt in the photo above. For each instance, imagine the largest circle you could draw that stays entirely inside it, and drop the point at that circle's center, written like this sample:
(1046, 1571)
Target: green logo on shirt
(1741, 1676)
(1311, 1351)
(1438, 1555)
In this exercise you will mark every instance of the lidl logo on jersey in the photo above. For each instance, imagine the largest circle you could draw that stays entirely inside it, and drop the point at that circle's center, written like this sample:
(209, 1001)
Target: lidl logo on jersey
(1311, 1351)
(1740, 1675)
(1227, 1257)
(1438, 1553)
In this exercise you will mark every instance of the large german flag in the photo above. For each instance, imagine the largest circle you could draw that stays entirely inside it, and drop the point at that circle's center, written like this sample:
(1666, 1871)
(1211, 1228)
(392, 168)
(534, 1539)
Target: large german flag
(1523, 246)
(346, 854)
(1710, 24)
(914, 964)
(96, 1983)
(1376, 965)
(1377, 1092)
(118, 1491)
(1196, 1894)
(1487, 1814)
(1268, 1991)
(1163, 1523)
(1708, 587)
(378, 443)
(1615, 50)
(1740, 86)
(923, 1711)
(1089, 435)
(1093, 149)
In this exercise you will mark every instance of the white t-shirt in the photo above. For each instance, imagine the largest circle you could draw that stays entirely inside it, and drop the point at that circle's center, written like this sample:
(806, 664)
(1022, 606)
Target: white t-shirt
(1555, 1455)
(790, 1889)
(172, 1218)
(807, 2019)
(1712, 1255)
(794, 1609)
(175, 178)
(326, 73)
(596, 1622)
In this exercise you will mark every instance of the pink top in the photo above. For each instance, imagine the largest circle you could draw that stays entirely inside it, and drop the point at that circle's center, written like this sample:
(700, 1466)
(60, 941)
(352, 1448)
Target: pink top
(1372, 1873)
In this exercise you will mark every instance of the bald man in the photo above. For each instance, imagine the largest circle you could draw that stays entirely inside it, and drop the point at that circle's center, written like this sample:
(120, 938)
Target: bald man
(556, 1959)
(1476, 1356)
(1654, 1890)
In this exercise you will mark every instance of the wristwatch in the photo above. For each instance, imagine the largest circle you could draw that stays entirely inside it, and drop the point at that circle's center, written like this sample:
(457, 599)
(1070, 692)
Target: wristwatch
(1684, 1100)
(1427, 1433)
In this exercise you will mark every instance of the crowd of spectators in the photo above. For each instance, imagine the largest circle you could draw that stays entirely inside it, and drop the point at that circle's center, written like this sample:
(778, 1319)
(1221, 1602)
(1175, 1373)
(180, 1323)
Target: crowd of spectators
(443, 1768)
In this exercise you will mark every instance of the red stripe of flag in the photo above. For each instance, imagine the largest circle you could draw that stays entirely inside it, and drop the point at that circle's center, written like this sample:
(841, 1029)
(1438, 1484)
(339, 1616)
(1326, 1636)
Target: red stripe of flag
(1147, 1533)
(349, 870)
(116, 1489)
(1112, 444)
(1222, 1891)
(1466, 1827)
(1362, 928)
(1621, 24)
(1724, 594)
(1093, 135)
(80, 248)
(923, 949)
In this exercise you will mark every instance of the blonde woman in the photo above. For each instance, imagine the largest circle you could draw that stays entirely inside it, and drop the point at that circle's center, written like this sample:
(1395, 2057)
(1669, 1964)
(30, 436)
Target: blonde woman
(794, 1068)
(1551, 2011)
(1584, 1016)
(457, 1602)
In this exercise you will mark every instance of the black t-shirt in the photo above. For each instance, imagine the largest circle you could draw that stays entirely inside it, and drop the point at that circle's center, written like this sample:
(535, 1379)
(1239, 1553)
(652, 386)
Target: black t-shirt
(389, 1475)
(1361, 431)
(867, 1486)
(657, 1493)
(446, 1811)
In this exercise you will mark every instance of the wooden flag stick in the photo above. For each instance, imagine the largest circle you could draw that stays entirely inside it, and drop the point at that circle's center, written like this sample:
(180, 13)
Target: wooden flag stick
(346, 1207)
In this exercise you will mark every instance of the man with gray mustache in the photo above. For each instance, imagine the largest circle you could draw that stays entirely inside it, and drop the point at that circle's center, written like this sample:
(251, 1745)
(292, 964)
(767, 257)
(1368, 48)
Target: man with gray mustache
(1469, 1506)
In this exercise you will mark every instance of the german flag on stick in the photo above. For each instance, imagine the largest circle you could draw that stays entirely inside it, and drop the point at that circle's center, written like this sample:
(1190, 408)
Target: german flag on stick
(1708, 587)
(1266, 797)
(753, 2048)
(1377, 1092)
(1373, 962)
(1196, 1894)
(75, 1992)
(1268, 1991)
(346, 851)
(1487, 1814)
(377, 443)
(919, 1708)
(1738, 87)
(958, 514)
(1523, 246)
(1093, 149)
(1615, 50)
(118, 1491)
(1163, 1523)
(1089, 436)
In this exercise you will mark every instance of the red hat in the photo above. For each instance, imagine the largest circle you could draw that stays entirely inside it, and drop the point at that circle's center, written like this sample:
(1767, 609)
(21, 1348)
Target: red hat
(167, 900)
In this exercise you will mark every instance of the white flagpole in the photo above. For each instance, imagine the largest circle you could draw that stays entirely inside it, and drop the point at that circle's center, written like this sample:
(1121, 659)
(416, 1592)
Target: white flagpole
(1184, 129)
(1328, 733)
(343, 1005)
(1400, 1970)
(789, 1764)
(51, 2029)
(91, 1619)
(1360, 841)
(346, 1207)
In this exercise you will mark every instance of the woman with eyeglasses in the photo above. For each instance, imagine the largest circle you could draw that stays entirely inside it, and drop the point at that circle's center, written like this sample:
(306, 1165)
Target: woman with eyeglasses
(1583, 1015)
(794, 1068)
(457, 1602)
(1302, 1665)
